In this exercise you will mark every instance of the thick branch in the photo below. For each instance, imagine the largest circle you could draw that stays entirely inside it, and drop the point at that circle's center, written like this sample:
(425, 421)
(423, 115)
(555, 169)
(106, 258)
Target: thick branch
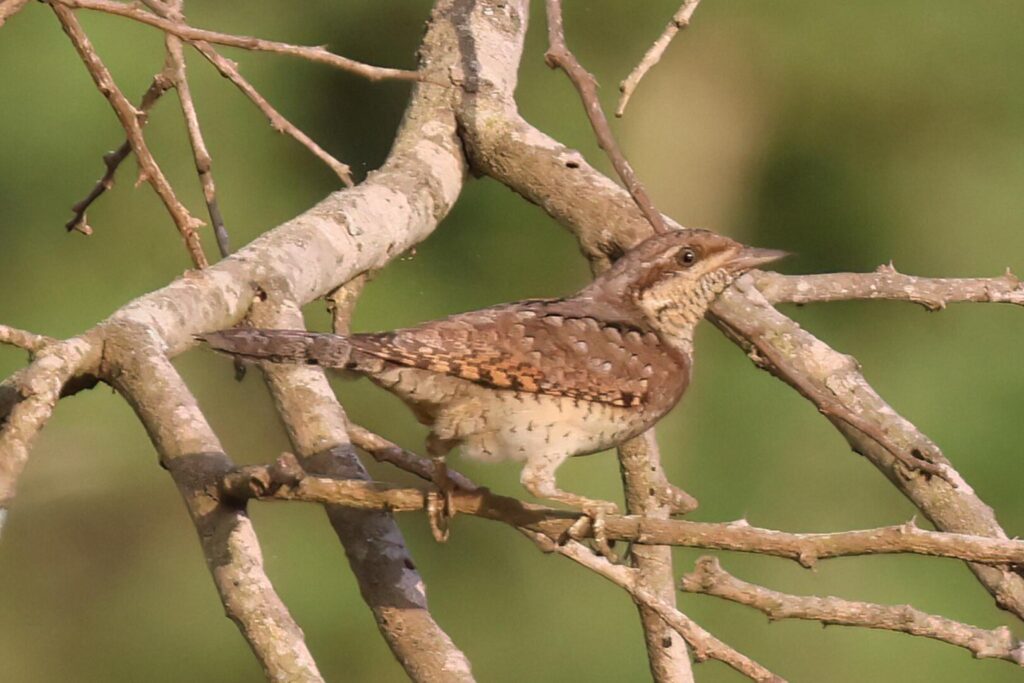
(314, 54)
(885, 283)
(789, 352)
(8, 8)
(373, 543)
(193, 455)
(27, 400)
(709, 578)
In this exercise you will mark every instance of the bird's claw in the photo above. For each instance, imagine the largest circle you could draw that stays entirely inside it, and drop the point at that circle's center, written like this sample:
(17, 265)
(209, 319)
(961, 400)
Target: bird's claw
(592, 525)
(440, 502)
(440, 510)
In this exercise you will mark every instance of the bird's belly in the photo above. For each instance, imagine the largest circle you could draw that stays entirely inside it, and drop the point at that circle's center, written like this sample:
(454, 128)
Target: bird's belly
(497, 425)
(515, 425)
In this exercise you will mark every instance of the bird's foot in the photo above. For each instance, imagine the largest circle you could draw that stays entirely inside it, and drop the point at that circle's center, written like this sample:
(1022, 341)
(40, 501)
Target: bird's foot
(592, 525)
(440, 502)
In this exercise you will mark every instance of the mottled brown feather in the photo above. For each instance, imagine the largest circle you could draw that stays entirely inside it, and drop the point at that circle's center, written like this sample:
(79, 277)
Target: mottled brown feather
(625, 365)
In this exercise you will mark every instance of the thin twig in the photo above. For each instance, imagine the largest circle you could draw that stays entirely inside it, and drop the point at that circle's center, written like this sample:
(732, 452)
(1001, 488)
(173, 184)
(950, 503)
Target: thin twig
(286, 480)
(201, 155)
(265, 482)
(559, 56)
(383, 450)
(112, 160)
(8, 8)
(886, 283)
(186, 223)
(710, 579)
(185, 32)
(229, 69)
(23, 339)
(680, 20)
(705, 646)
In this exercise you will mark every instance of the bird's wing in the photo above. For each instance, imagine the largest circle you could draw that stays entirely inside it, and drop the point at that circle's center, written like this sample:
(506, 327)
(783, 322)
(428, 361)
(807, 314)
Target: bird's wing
(539, 347)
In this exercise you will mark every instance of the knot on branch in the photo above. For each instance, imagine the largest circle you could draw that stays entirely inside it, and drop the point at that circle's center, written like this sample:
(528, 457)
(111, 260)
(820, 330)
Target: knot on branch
(256, 481)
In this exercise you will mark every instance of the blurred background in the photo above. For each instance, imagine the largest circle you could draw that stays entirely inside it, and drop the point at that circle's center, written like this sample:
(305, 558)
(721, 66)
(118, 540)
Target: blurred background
(849, 133)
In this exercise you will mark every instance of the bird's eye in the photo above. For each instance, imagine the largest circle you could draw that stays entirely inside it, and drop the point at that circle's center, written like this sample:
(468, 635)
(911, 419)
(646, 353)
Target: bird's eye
(687, 257)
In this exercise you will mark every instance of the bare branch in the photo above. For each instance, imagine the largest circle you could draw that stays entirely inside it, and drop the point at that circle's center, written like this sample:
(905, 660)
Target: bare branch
(201, 155)
(559, 56)
(185, 32)
(705, 646)
(23, 339)
(645, 485)
(606, 221)
(27, 400)
(129, 116)
(383, 450)
(341, 303)
(112, 160)
(789, 352)
(680, 20)
(373, 543)
(885, 283)
(279, 482)
(229, 69)
(8, 8)
(710, 579)
(188, 448)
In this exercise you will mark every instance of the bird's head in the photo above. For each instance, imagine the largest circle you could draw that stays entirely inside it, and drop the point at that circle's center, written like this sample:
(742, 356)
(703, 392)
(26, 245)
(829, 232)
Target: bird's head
(673, 277)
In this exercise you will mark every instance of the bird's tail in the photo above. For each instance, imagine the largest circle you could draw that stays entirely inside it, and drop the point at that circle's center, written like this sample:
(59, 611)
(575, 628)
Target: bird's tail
(282, 346)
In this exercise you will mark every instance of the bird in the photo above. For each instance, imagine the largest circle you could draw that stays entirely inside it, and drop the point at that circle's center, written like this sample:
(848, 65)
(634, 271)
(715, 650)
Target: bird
(541, 380)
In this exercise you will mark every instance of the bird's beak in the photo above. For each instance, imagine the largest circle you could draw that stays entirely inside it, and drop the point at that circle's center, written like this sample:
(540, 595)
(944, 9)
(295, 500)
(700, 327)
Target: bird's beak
(753, 257)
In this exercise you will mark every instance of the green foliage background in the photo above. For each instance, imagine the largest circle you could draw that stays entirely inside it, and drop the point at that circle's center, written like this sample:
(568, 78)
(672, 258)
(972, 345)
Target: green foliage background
(850, 133)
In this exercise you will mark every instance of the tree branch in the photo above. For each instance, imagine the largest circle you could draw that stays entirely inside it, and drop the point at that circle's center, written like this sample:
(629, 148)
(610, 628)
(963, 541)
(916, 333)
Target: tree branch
(23, 339)
(283, 481)
(885, 283)
(789, 352)
(645, 484)
(606, 222)
(112, 160)
(200, 153)
(373, 543)
(704, 644)
(710, 579)
(559, 56)
(229, 70)
(8, 8)
(680, 20)
(314, 54)
(186, 223)
(191, 452)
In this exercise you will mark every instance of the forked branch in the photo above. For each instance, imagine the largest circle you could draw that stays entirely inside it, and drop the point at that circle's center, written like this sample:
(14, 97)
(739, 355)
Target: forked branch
(710, 579)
